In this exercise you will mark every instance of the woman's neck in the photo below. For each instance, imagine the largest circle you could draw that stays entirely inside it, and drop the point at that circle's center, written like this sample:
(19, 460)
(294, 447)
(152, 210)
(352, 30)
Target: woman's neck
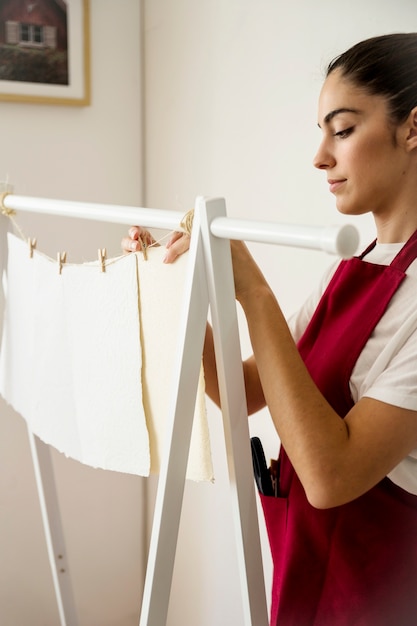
(397, 229)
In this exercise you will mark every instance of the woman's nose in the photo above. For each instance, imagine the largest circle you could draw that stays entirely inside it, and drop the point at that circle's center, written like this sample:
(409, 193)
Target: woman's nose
(323, 158)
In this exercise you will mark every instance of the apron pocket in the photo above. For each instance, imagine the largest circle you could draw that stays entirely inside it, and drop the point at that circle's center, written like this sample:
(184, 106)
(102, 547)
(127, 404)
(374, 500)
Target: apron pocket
(275, 513)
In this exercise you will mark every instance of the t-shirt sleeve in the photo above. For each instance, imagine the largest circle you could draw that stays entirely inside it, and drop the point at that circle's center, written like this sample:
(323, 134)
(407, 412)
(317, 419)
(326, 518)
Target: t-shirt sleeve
(393, 376)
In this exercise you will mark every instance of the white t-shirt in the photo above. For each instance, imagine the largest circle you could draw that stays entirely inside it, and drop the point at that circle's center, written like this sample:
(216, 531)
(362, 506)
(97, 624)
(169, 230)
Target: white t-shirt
(386, 369)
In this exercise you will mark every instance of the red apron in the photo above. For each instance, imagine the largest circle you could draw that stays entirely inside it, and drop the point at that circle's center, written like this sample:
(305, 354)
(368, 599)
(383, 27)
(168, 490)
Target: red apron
(355, 564)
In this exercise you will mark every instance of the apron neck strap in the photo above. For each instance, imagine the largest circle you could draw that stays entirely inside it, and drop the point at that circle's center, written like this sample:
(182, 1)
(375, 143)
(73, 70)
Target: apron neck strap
(404, 257)
(367, 250)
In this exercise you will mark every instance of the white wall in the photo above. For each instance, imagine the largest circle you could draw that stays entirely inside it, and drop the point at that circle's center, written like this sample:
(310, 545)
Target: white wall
(231, 90)
(93, 154)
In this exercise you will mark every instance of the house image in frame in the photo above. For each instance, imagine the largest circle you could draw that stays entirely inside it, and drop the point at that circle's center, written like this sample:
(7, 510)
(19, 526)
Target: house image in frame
(34, 41)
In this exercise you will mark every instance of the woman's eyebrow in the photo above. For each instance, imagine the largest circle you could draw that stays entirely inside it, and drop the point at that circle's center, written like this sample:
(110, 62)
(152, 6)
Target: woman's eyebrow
(328, 118)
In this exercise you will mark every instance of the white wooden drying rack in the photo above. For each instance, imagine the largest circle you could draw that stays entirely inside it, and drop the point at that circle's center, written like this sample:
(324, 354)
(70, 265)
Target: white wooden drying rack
(209, 284)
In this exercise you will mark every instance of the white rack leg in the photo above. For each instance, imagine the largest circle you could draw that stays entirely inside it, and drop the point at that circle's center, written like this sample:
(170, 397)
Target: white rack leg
(234, 410)
(51, 518)
(175, 458)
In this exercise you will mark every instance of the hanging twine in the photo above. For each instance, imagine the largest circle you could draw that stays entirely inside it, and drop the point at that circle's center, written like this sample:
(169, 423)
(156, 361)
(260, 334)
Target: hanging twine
(4, 210)
(185, 226)
(186, 223)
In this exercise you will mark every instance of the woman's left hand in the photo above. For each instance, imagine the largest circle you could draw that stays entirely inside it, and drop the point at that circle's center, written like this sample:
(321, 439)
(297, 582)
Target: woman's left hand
(247, 275)
(177, 244)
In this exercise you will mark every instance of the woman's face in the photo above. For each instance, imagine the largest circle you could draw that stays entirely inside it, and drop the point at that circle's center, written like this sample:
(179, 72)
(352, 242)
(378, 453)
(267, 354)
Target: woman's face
(359, 151)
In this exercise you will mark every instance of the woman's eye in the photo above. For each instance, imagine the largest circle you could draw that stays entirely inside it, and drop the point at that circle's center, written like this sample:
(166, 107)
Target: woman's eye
(344, 133)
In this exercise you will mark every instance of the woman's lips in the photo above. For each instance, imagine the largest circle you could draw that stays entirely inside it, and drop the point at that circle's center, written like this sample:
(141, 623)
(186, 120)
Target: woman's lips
(335, 184)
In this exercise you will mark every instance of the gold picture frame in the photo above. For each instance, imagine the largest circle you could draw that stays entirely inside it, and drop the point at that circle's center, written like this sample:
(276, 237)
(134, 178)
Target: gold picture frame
(45, 52)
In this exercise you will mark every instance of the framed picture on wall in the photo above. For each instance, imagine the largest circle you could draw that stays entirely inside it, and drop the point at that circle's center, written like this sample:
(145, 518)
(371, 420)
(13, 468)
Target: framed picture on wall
(44, 51)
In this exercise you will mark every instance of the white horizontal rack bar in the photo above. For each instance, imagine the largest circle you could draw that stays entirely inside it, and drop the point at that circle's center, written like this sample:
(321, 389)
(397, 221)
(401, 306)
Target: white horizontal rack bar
(340, 240)
(114, 213)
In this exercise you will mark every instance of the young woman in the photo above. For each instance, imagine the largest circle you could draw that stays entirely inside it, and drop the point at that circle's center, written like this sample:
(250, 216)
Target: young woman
(340, 379)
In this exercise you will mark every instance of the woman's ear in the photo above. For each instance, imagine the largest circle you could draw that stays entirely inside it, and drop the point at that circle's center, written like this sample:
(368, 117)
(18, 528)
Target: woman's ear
(411, 125)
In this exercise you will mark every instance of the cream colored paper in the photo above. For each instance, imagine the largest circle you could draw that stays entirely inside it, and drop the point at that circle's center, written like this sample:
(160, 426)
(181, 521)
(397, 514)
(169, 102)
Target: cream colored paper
(161, 304)
(76, 347)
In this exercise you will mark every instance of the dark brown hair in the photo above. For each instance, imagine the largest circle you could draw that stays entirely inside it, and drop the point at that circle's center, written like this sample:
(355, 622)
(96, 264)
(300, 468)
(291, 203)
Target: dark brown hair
(386, 66)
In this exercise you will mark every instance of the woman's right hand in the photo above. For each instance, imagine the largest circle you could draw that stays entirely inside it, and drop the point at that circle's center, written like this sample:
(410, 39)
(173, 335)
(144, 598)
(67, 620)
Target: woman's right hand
(137, 236)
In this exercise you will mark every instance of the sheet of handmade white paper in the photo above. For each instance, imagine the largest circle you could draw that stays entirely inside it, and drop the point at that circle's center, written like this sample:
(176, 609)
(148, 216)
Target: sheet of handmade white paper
(72, 351)
(70, 358)
(161, 294)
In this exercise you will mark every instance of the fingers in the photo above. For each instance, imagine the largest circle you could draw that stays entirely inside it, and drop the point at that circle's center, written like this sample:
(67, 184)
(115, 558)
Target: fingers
(175, 236)
(136, 236)
(130, 245)
(177, 245)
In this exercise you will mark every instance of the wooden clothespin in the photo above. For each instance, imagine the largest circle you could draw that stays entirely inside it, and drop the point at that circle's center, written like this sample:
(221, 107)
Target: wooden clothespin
(102, 258)
(144, 249)
(61, 259)
(32, 246)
